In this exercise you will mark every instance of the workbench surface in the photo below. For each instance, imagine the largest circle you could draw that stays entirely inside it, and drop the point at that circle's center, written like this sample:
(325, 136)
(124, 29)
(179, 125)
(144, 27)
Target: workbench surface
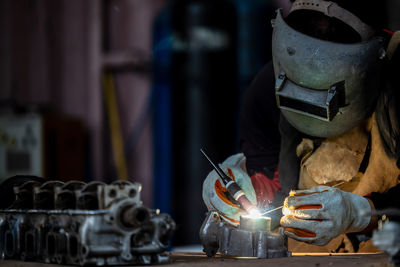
(298, 259)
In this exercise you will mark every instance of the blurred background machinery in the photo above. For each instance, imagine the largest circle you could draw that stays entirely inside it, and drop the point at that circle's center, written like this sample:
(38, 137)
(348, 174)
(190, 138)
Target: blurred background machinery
(387, 236)
(202, 65)
(80, 224)
(43, 145)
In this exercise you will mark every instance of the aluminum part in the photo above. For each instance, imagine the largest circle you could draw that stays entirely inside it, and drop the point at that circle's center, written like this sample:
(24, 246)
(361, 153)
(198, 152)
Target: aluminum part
(259, 224)
(253, 238)
(81, 224)
(388, 239)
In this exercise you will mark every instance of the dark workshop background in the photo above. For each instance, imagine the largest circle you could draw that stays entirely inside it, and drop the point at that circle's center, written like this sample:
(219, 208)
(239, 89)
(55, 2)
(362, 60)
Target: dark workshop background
(108, 89)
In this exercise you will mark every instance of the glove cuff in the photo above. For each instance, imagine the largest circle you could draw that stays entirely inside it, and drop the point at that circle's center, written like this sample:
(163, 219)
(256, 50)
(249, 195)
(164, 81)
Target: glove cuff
(361, 213)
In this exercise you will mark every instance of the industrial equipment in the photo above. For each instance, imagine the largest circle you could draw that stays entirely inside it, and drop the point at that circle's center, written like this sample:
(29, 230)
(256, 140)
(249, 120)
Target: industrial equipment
(387, 236)
(42, 145)
(253, 238)
(78, 223)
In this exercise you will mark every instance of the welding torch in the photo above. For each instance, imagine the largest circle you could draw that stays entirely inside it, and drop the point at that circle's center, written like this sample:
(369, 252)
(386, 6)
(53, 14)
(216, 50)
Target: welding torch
(232, 187)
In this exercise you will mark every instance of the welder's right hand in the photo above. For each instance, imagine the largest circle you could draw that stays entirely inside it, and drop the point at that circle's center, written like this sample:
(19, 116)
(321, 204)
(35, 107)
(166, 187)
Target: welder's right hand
(217, 198)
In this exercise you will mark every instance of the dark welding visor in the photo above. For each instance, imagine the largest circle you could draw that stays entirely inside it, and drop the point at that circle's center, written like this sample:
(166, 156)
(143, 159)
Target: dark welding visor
(319, 104)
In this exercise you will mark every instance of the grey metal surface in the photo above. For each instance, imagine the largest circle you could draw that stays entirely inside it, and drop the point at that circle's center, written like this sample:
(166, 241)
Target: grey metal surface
(252, 239)
(387, 238)
(318, 65)
(110, 227)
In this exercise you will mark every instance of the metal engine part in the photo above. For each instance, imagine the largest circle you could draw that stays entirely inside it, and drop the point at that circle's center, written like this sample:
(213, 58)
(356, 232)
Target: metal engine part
(78, 223)
(253, 238)
(387, 238)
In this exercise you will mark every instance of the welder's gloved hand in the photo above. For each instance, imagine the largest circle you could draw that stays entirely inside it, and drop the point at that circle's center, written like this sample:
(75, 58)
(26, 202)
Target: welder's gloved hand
(217, 198)
(318, 215)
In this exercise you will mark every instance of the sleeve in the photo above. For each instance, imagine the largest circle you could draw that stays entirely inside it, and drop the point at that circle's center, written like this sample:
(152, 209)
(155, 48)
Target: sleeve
(266, 139)
(387, 200)
(289, 163)
(259, 125)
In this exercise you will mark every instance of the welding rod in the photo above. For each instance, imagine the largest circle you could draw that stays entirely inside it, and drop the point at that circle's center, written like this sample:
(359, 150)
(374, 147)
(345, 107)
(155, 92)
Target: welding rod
(233, 188)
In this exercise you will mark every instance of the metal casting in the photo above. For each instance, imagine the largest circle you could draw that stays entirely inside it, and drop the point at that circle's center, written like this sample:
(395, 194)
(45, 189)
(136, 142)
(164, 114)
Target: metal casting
(79, 224)
(253, 238)
(387, 238)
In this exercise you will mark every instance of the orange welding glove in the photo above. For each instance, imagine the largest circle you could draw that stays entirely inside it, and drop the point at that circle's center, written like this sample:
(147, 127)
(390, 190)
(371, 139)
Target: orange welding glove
(265, 188)
(318, 215)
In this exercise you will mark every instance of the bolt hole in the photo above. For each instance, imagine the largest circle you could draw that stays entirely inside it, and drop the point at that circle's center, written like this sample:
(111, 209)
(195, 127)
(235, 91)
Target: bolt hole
(141, 215)
(84, 250)
(112, 193)
(132, 193)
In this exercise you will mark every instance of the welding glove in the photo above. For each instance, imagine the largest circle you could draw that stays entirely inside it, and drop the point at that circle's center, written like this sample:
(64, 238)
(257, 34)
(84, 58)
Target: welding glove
(318, 215)
(217, 198)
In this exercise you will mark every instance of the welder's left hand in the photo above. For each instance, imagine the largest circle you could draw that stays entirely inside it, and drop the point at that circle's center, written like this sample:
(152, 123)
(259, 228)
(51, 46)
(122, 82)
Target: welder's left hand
(216, 196)
(318, 215)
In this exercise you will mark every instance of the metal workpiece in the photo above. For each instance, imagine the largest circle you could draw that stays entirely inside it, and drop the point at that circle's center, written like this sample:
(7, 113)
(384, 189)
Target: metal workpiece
(260, 224)
(387, 238)
(253, 238)
(80, 224)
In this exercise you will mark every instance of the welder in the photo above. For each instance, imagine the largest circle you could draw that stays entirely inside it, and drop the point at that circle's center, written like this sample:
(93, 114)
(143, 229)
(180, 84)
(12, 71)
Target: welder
(324, 111)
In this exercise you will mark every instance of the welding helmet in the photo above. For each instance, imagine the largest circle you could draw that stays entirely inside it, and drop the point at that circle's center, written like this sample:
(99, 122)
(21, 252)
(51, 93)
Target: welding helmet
(325, 88)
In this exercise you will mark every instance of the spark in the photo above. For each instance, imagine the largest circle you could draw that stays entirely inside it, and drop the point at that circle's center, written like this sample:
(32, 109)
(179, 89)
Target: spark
(254, 213)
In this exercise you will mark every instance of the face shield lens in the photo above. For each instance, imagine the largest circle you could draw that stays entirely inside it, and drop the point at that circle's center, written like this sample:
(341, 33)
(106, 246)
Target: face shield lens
(319, 104)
